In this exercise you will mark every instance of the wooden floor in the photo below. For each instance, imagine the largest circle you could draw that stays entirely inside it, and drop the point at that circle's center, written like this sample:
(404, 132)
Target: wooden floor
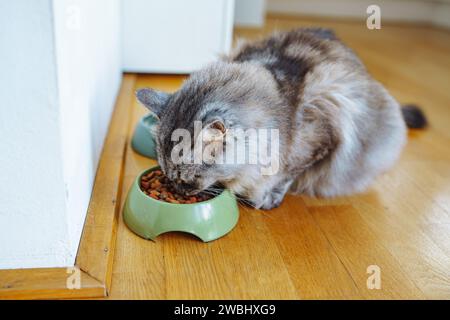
(314, 248)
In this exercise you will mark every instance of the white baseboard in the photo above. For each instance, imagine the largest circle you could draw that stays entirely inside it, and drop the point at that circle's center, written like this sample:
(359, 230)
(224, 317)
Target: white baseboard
(441, 16)
(424, 11)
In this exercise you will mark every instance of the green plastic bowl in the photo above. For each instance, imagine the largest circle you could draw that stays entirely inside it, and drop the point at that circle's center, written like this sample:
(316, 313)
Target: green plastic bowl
(208, 220)
(143, 141)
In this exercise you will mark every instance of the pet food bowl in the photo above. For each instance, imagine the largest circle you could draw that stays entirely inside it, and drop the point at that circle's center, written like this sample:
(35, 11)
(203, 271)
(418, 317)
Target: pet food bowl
(143, 141)
(208, 220)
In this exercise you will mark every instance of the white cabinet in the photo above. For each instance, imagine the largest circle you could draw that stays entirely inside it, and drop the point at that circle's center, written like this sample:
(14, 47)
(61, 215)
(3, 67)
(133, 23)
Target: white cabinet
(174, 36)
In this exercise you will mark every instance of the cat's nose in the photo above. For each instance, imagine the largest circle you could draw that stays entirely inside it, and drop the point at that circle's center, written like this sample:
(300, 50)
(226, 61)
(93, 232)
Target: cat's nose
(186, 184)
(184, 188)
(172, 175)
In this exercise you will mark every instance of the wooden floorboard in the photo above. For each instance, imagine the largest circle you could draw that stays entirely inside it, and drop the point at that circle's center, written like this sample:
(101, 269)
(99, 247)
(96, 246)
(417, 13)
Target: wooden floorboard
(312, 262)
(358, 247)
(141, 275)
(97, 247)
(48, 283)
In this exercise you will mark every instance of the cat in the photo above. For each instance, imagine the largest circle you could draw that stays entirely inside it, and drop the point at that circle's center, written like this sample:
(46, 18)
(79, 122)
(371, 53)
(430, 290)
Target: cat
(338, 127)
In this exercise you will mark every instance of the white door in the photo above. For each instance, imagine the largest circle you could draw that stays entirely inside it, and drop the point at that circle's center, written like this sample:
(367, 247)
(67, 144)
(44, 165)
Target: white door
(174, 36)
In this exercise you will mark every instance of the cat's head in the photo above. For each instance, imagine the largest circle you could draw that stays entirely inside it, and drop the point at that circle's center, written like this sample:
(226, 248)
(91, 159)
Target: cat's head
(211, 101)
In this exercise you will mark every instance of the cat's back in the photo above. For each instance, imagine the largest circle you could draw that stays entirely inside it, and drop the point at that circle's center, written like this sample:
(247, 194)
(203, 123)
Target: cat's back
(290, 56)
(291, 44)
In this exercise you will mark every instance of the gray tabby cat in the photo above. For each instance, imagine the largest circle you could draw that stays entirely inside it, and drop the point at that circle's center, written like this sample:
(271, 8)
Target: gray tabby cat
(339, 128)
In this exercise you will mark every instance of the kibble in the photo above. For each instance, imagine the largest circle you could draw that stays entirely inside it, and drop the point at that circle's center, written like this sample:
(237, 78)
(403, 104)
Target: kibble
(157, 186)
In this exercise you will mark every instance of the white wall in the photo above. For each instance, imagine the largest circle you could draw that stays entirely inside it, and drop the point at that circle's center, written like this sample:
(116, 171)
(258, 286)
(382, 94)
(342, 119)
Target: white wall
(87, 40)
(57, 89)
(33, 226)
(435, 12)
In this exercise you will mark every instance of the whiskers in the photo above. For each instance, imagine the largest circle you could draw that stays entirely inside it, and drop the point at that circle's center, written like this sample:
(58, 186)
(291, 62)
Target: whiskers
(242, 201)
(212, 191)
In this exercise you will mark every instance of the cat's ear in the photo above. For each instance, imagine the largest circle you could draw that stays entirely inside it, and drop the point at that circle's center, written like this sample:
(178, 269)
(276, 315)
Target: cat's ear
(153, 100)
(214, 131)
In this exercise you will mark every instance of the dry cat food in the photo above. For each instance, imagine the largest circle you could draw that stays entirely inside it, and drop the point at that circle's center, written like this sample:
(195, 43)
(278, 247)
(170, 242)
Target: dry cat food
(156, 185)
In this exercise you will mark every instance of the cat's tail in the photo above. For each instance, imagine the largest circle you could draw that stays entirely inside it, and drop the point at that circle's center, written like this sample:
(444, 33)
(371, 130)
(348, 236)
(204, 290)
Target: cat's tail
(414, 116)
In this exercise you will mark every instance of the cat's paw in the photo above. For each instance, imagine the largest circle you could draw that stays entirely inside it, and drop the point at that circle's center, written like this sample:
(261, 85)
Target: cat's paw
(272, 200)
